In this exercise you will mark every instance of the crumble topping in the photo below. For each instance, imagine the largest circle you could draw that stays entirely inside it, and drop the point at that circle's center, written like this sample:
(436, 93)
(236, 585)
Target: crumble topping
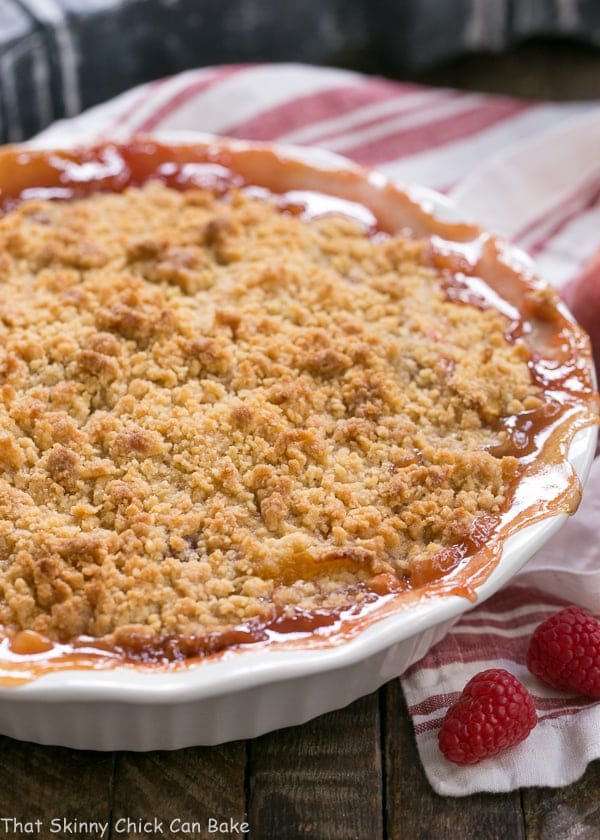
(212, 410)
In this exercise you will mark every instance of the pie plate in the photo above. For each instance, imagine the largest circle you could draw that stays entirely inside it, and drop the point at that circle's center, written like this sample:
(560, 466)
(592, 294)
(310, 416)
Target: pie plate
(255, 688)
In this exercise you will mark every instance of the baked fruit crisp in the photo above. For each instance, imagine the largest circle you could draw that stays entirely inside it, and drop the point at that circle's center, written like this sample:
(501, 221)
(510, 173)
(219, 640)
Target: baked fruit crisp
(220, 410)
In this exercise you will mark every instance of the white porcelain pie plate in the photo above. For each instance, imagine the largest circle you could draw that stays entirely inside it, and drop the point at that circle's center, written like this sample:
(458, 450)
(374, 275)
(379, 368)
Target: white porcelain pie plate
(246, 692)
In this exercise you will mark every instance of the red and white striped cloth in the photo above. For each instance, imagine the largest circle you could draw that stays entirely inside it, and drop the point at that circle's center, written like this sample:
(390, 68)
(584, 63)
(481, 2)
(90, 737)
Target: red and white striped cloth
(530, 171)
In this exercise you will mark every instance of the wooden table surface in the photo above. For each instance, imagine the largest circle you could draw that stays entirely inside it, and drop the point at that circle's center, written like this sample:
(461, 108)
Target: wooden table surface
(353, 774)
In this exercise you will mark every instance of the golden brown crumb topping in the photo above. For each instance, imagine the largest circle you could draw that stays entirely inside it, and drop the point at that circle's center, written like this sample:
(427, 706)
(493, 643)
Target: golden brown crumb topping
(212, 410)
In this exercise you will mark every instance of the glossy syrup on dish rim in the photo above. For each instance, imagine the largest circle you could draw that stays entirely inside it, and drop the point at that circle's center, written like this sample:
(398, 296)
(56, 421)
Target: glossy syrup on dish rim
(463, 255)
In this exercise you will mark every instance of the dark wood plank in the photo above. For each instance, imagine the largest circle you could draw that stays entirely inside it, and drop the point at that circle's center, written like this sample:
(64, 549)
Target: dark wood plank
(53, 783)
(190, 787)
(539, 69)
(415, 811)
(571, 813)
(320, 780)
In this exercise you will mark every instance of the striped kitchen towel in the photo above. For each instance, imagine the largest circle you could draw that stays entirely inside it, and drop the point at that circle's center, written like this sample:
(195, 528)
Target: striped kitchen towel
(530, 171)
(57, 56)
(496, 635)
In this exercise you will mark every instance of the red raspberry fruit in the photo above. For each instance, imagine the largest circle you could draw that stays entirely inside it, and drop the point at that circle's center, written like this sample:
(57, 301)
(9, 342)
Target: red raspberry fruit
(564, 652)
(494, 712)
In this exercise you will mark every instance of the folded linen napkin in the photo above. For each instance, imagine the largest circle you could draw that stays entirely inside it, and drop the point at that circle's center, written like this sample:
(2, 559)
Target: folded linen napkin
(544, 194)
(496, 635)
(527, 170)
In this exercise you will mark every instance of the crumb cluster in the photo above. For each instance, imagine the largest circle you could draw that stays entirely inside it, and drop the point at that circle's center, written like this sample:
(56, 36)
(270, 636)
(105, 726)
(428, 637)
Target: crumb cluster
(212, 410)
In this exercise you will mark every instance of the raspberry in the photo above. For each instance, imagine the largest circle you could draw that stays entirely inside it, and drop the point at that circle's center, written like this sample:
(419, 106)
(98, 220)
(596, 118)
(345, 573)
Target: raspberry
(564, 652)
(494, 712)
